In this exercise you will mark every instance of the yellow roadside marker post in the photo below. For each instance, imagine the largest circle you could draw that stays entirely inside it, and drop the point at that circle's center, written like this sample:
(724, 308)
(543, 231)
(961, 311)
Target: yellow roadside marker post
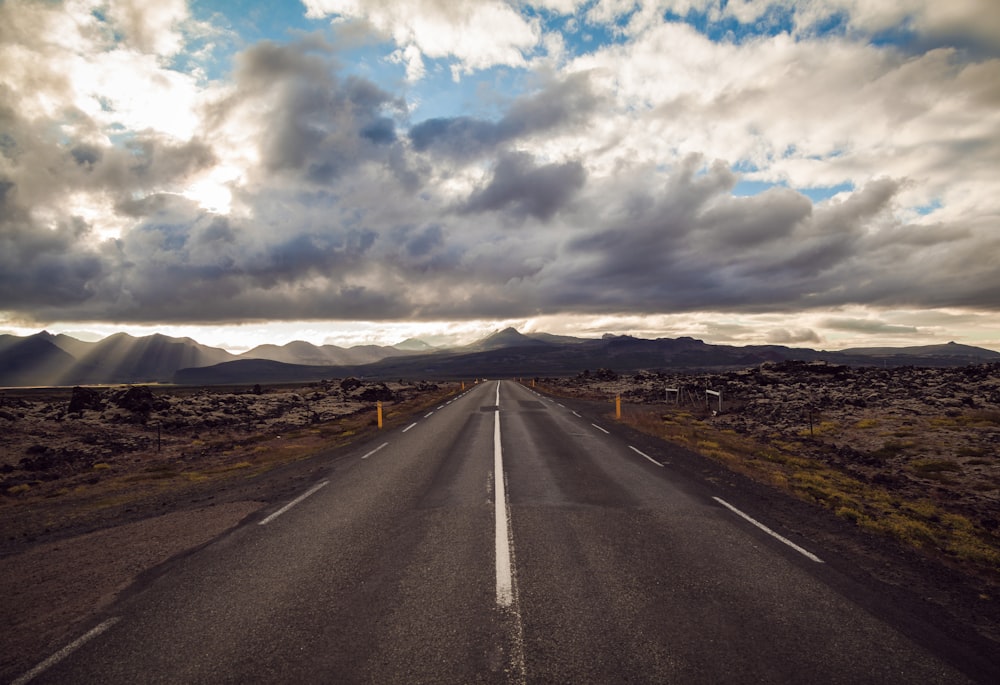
(379, 408)
(618, 406)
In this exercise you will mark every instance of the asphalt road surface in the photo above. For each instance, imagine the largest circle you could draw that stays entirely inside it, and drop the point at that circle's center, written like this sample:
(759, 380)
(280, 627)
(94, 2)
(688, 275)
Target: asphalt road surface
(501, 538)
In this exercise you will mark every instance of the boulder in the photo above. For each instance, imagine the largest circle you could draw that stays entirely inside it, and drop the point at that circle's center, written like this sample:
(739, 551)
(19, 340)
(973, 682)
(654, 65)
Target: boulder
(376, 393)
(86, 398)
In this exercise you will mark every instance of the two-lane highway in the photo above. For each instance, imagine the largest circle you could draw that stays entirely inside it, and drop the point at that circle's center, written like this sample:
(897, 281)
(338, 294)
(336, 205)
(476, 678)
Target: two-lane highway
(500, 538)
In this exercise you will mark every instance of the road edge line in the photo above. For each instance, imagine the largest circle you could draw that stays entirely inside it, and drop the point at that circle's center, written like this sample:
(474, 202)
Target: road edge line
(66, 651)
(307, 493)
(643, 454)
(804, 552)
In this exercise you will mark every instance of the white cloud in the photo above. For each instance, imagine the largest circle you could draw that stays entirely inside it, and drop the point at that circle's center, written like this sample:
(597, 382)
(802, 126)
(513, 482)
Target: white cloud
(478, 34)
(149, 27)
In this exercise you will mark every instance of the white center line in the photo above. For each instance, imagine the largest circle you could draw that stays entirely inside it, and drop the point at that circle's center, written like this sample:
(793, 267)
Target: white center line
(505, 581)
(384, 444)
(410, 426)
(600, 429)
(65, 651)
(803, 552)
(643, 454)
(291, 504)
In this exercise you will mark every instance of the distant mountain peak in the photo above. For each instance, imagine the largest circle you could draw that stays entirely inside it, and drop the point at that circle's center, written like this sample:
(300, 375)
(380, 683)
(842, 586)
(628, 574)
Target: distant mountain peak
(413, 345)
(508, 337)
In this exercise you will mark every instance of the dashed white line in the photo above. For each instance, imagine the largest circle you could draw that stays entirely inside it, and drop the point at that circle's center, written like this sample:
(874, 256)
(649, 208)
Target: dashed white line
(65, 651)
(606, 432)
(428, 415)
(806, 553)
(384, 444)
(577, 415)
(295, 501)
(410, 426)
(643, 454)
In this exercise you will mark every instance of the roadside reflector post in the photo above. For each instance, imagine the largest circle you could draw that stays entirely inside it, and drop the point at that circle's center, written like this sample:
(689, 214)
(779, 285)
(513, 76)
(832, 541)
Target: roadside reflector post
(463, 385)
(717, 393)
(532, 382)
(378, 409)
(618, 406)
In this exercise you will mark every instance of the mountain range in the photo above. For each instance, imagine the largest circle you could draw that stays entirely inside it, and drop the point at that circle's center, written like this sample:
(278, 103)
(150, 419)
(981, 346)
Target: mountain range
(44, 359)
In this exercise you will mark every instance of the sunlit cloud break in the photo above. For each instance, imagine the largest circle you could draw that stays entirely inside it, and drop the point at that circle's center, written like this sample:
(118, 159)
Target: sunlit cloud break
(815, 174)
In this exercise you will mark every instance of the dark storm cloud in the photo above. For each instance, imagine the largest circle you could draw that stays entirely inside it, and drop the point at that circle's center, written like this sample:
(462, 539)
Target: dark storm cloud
(341, 219)
(50, 257)
(869, 326)
(520, 188)
(315, 125)
(691, 245)
(39, 266)
(784, 336)
(559, 105)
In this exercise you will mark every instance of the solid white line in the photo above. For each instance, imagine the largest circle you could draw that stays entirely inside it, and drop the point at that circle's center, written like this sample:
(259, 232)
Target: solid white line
(409, 427)
(505, 581)
(375, 450)
(600, 429)
(291, 504)
(65, 651)
(643, 454)
(428, 415)
(803, 552)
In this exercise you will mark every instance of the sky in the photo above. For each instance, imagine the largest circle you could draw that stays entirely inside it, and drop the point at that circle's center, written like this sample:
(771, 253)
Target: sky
(818, 173)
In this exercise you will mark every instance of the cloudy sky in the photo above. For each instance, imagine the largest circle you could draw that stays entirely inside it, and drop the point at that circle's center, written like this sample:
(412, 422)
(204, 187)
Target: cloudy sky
(816, 172)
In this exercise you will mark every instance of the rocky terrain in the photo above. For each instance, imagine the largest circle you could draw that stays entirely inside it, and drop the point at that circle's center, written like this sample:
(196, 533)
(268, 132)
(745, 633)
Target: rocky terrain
(89, 446)
(924, 441)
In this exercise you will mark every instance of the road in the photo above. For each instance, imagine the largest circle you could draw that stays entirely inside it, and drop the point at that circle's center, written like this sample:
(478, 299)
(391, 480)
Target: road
(501, 538)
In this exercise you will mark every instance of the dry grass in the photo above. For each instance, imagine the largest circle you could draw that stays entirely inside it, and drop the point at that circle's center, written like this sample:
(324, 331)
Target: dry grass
(921, 523)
